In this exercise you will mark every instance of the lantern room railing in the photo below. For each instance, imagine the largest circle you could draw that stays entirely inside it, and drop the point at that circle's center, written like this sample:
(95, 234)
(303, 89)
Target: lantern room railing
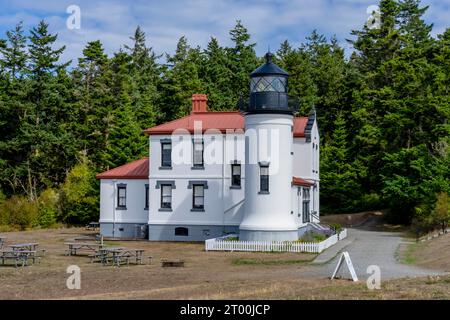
(269, 101)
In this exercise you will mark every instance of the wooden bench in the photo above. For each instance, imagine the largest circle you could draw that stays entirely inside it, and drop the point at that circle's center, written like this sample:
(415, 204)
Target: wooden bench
(122, 258)
(93, 226)
(97, 257)
(6, 256)
(172, 263)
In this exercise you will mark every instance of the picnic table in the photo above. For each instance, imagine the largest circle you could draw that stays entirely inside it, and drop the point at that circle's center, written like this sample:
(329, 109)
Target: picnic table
(134, 253)
(118, 256)
(104, 255)
(74, 247)
(24, 246)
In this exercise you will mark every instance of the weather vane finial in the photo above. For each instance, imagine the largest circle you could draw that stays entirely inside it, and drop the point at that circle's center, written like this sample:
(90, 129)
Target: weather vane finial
(269, 55)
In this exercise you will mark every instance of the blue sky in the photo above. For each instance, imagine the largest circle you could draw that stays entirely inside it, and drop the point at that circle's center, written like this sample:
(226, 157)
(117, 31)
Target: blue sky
(269, 21)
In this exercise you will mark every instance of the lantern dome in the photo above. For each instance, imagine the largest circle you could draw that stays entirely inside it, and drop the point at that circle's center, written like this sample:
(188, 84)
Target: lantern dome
(268, 89)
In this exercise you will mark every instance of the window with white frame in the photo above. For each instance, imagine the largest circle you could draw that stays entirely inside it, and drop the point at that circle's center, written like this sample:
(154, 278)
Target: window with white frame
(305, 207)
(166, 196)
(198, 153)
(264, 178)
(317, 158)
(146, 196)
(166, 154)
(198, 197)
(235, 175)
(121, 196)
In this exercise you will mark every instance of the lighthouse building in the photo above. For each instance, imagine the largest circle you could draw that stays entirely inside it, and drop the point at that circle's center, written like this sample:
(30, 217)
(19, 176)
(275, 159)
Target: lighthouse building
(253, 172)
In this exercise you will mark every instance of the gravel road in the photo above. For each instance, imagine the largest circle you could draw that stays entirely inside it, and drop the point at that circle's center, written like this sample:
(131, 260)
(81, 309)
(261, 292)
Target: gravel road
(370, 247)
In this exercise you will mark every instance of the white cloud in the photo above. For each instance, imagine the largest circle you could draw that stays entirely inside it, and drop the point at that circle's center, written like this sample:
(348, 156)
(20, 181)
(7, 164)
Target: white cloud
(269, 22)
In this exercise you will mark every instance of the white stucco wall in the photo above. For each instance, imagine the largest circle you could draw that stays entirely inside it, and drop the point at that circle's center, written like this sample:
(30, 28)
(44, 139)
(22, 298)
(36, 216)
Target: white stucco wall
(135, 204)
(269, 212)
(307, 160)
(223, 206)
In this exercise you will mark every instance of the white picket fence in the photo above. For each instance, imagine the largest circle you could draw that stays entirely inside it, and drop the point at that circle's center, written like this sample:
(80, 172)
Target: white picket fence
(222, 244)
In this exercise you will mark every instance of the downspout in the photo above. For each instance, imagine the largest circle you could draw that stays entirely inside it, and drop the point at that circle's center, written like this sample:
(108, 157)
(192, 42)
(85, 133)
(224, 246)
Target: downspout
(223, 182)
(114, 208)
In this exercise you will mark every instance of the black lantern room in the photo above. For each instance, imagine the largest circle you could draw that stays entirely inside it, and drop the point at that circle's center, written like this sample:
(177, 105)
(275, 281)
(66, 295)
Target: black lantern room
(268, 89)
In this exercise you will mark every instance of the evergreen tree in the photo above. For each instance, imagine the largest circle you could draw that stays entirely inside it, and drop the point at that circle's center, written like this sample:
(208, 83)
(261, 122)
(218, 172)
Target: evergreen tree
(339, 173)
(180, 80)
(243, 61)
(217, 76)
(124, 142)
(145, 74)
(41, 151)
(397, 116)
(14, 56)
(13, 87)
(301, 76)
(94, 103)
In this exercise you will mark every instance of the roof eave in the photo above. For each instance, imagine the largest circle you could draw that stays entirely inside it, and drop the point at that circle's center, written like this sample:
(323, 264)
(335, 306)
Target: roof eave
(99, 177)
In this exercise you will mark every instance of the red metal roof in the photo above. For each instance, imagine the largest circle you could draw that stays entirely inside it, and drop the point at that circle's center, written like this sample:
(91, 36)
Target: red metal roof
(221, 121)
(138, 169)
(301, 182)
(300, 126)
(209, 120)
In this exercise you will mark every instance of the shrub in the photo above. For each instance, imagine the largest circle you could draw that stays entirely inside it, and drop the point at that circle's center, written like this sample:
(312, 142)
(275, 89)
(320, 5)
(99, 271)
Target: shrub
(47, 206)
(312, 236)
(19, 212)
(232, 239)
(337, 227)
(79, 196)
(429, 216)
(441, 212)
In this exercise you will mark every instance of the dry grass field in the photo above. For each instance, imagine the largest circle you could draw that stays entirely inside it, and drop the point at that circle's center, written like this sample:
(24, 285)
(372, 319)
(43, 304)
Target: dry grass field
(433, 254)
(206, 275)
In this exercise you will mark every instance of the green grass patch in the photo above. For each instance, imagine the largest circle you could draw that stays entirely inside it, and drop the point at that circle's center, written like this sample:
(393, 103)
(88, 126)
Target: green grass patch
(112, 243)
(408, 256)
(232, 239)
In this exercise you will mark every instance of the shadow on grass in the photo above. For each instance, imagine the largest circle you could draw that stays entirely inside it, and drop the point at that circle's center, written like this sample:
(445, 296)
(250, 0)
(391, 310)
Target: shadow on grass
(261, 262)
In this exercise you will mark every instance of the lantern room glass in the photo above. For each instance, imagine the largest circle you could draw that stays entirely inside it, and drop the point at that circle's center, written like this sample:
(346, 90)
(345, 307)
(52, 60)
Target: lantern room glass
(268, 84)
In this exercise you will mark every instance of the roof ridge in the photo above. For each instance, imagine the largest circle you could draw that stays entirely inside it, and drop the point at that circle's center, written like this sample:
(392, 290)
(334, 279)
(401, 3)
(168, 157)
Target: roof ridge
(162, 124)
(216, 111)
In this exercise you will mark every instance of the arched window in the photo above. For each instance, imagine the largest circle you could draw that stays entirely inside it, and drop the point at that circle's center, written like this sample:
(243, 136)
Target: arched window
(180, 231)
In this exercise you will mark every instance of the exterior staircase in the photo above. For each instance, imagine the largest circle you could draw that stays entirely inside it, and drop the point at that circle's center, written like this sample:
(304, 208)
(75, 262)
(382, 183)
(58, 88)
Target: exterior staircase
(321, 228)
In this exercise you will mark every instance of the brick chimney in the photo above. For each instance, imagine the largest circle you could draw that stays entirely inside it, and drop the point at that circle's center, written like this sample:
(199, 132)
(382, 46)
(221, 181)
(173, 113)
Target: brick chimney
(199, 103)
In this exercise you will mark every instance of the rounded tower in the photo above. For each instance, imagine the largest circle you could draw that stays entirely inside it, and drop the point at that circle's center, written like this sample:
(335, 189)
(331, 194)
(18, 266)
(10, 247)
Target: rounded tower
(269, 158)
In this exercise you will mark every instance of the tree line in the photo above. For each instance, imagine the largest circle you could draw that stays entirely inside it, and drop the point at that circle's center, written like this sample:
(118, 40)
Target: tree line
(382, 111)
